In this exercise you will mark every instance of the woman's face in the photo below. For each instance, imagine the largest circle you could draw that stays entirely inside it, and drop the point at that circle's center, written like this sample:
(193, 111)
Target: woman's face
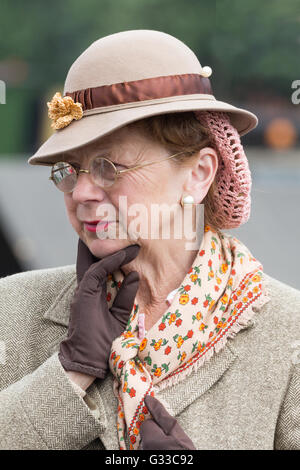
(160, 183)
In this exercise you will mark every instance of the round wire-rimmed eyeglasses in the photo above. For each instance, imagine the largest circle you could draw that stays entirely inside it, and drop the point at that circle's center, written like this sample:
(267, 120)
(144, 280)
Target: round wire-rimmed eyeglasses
(104, 172)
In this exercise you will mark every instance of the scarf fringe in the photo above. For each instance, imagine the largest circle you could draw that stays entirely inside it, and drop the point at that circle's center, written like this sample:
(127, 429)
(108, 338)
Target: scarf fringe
(240, 324)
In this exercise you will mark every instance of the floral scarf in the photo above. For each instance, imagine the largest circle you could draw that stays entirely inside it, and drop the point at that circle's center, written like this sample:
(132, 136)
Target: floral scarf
(214, 301)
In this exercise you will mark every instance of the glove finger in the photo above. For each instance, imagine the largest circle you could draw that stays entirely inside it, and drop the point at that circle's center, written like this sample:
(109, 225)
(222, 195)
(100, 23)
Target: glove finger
(160, 414)
(168, 423)
(100, 270)
(124, 300)
(131, 252)
(84, 259)
(153, 438)
(151, 434)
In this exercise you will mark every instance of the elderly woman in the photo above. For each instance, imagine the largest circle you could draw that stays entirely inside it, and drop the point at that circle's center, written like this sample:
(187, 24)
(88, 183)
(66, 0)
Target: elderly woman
(149, 342)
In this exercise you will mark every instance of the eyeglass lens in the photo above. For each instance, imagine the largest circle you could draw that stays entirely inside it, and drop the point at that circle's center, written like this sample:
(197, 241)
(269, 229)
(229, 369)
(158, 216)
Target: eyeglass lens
(65, 176)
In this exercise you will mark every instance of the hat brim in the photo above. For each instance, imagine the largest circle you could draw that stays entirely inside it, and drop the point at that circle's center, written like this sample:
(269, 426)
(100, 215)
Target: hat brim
(94, 126)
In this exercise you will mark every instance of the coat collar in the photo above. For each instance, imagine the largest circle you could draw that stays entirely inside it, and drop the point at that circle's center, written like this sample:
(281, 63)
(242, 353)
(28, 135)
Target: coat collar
(59, 310)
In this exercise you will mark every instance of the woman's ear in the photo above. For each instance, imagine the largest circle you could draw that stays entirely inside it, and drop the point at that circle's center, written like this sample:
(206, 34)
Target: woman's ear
(201, 173)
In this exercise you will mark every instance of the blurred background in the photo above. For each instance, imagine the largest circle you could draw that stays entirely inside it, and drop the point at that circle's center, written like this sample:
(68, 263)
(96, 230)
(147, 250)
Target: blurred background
(253, 48)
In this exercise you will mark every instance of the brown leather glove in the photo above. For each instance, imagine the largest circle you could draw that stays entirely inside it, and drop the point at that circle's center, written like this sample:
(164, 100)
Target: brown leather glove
(163, 431)
(93, 326)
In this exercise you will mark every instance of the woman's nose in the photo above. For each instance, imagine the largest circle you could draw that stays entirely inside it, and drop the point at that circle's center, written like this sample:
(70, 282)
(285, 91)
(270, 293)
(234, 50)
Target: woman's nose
(86, 189)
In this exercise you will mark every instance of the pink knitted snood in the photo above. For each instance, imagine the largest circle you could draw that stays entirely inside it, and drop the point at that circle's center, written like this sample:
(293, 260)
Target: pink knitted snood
(232, 200)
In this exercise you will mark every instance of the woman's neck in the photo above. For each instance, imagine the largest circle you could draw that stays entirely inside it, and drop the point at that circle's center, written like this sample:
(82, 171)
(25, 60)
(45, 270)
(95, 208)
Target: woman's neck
(161, 268)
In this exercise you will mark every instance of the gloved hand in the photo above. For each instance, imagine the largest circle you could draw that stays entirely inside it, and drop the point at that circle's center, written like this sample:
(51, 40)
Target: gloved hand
(93, 326)
(163, 431)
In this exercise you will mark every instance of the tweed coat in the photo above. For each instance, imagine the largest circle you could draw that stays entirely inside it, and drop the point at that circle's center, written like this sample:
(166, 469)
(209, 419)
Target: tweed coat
(245, 397)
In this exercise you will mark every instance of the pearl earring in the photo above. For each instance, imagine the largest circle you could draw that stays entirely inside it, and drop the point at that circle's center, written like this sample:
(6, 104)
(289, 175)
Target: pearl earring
(186, 200)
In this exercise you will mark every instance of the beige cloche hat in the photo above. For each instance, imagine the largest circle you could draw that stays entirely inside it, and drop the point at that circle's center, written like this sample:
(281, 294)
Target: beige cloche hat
(125, 77)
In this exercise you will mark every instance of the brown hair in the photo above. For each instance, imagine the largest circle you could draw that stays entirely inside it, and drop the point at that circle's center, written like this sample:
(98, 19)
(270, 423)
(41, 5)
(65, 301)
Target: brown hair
(182, 132)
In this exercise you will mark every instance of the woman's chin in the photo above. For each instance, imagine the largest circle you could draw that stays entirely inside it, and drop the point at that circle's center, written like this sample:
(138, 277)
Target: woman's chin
(101, 248)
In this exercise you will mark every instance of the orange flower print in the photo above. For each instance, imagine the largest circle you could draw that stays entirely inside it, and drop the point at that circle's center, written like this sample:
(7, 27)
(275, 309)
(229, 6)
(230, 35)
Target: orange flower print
(212, 303)
(183, 356)
(143, 344)
(141, 417)
(183, 299)
(168, 350)
(132, 392)
(216, 320)
(245, 299)
(213, 245)
(200, 347)
(125, 387)
(178, 322)
(157, 345)
(224, 268)
(224, 299)
(162, 326)
(220, 324)
(121, 414)
(157, 372)
(202, 252)
(190, 271)
(255, 290)
(219, 280)
(206, 228)
(172, 318)
(136, 431)
(132, 371)
(217, 288)
(187, 288)
(116, 359)
(198, 315)
(195, 301)
(256, 278)
(143, 379)
(190, 333)
(193, 277)
(127, 334)
(211, 274)
(132, 439)
(202, 327)
(179, 341)
(209, 263)
(250, 295)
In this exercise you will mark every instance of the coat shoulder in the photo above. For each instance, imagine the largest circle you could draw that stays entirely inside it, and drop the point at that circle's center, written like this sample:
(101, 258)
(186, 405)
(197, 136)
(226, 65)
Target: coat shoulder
(283, 295)
(31, 293)
(37, 282)
(281, 313)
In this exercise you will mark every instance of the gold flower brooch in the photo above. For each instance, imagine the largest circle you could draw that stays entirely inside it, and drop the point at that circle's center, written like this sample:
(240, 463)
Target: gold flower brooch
(62, 111)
